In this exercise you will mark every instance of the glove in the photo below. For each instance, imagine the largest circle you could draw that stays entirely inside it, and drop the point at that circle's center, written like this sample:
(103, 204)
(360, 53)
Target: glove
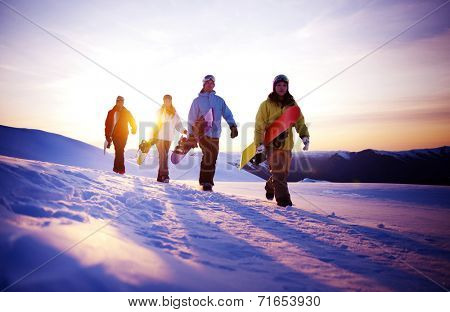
(234, 132)
(306, 143)
(260, 149)
(260, 155)
(109, 140)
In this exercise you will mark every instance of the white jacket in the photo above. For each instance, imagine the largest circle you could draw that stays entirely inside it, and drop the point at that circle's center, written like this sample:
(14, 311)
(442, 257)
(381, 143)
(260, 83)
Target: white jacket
(168, 125)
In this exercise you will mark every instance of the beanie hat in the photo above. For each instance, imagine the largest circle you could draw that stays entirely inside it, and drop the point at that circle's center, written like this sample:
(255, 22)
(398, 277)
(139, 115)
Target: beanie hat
(279, 78)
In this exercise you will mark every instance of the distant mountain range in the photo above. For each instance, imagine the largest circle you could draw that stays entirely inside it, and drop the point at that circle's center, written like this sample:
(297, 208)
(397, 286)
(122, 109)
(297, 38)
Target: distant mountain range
(421, 166)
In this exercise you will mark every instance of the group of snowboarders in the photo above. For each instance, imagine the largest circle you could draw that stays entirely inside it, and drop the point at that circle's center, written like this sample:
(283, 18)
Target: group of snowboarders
(204, 130)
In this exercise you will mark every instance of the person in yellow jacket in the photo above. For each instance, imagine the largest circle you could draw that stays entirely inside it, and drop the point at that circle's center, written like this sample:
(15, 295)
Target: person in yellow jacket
(279, 152)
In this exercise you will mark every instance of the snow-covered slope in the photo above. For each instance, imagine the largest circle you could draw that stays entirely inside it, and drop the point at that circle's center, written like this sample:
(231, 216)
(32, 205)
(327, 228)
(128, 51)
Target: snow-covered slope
(50, 147)
(44, 146)
(71, 228)
(189, 167)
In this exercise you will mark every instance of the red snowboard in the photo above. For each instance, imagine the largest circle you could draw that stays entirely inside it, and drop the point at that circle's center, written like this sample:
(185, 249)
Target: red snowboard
(287, 119)
(282, 123)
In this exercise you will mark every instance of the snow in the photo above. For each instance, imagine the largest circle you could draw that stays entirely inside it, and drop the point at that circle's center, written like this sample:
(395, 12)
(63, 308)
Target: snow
(189, 167)
(50, 147)
(132, 233)
(68, 224)
(308, 180)
(344, 155)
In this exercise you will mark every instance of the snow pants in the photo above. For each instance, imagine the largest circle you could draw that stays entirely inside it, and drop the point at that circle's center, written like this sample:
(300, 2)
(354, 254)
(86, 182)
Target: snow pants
(163, 147)
(279, 162)
(119, 159)
(210, 150)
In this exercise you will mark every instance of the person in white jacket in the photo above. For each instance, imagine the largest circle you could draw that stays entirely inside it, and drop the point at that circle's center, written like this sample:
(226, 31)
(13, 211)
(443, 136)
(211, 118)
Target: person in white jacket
(168, 121)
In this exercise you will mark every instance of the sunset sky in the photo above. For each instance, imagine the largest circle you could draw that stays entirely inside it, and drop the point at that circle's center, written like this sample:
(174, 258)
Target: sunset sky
(396, 99)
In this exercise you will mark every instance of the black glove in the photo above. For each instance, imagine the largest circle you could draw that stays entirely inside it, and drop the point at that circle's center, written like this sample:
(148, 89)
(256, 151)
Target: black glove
(259, 158)
(234, 132)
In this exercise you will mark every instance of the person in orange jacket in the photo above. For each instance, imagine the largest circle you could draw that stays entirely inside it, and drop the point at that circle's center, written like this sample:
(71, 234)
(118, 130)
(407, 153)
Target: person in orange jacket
(116, 131)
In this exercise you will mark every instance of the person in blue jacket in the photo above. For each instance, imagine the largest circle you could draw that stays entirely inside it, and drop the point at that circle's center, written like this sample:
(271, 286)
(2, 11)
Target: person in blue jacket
(209, 141)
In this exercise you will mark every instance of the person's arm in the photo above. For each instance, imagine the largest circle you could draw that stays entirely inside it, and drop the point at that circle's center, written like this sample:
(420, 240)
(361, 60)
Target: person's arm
(178, 124)
(108, 125)
(301, 128)
(193, 115)
(228, 115)
(260, 124)
(132, 122)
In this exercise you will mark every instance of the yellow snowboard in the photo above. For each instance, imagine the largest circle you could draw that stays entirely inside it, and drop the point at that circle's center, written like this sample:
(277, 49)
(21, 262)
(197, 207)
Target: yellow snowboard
(143, 150)
(247, 154)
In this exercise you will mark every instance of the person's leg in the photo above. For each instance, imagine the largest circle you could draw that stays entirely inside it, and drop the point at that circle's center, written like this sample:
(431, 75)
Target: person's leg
(163, 154)
(270, 190)
(210, 150)
(119, 159)
(164, 165)
(279, 161)
(269, 187)
(159, 147)
(116, 157)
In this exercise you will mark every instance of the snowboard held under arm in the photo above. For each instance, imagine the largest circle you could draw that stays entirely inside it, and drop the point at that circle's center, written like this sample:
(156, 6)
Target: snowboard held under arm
(287, 119)
(200, 128)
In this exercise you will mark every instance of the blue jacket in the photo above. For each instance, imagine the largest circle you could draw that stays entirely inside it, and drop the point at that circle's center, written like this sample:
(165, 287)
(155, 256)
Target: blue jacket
(201, 105)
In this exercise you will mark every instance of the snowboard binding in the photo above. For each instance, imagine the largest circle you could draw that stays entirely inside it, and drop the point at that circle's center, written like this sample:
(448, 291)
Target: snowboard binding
(279, 140)
(185, 144)
(199, 128)
(259, 158)
(144, 147)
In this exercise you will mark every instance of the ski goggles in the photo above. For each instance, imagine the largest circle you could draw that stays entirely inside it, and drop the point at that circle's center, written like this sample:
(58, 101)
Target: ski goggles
(209, 77)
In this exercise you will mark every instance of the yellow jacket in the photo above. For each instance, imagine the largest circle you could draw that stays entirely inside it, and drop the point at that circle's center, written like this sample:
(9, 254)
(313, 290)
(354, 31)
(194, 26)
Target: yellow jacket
(268, 112)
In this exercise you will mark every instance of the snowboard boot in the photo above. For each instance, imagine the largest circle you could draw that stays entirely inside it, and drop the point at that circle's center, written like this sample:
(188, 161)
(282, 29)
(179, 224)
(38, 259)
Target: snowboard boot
(119, 171)
(163, 179)
(207, 187)
(270, 195)
(270, 192)
(284, 202)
